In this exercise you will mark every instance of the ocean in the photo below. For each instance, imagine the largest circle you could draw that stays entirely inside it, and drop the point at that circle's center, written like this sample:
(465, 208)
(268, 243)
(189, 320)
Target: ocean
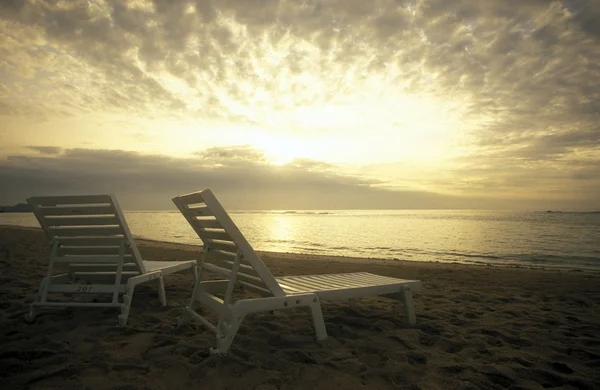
(532, 239)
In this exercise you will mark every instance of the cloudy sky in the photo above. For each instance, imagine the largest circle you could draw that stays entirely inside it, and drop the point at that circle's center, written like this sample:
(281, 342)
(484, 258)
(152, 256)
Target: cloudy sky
(303, 103)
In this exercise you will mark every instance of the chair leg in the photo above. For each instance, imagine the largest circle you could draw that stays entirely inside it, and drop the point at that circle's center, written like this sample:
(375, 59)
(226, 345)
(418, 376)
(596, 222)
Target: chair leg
(161, 291)
(224, 340)
(127, 297)
(195, 273)
(352, 303)
(318, 321)
(33, 311)
(30, 316)
(185, 318)
(409, 308)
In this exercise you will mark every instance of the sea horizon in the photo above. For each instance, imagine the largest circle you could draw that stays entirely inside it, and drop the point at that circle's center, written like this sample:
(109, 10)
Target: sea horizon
(386, 209)
(562, 239)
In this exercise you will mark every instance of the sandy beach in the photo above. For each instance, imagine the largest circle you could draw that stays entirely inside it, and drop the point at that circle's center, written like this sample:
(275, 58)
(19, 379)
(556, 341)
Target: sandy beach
(479, 327)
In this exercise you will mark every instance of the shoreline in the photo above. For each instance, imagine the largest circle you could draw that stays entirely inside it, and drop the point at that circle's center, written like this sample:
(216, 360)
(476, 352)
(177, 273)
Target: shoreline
(353, 259)
(373, 260)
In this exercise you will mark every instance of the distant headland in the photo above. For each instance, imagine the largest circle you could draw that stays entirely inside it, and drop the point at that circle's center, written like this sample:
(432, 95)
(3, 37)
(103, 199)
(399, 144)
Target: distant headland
(18, 208)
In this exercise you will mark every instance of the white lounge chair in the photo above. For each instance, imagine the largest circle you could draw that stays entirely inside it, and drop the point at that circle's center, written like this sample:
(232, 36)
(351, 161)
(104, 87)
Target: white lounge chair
(90, 234)
(226, 252)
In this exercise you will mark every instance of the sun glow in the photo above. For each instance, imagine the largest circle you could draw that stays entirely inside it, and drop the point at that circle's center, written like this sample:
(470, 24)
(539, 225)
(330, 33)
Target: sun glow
(421, 130)
(280, 150)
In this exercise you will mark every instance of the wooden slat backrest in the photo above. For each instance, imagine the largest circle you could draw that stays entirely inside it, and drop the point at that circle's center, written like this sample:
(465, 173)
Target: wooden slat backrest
(219, 233)
(86, 225)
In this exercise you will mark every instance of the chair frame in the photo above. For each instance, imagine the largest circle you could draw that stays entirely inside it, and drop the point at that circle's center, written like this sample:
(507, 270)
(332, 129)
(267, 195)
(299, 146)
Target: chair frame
(224, 242)
(91, 235)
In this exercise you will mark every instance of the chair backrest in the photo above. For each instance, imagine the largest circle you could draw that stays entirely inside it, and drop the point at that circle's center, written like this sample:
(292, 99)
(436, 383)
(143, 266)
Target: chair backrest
(86, 227)
(223, 240)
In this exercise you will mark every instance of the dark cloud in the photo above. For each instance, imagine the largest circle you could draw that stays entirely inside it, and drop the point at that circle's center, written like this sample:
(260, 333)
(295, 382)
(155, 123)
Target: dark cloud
(46, 149)
(243, 180)
(232, 155)
(150, 181)
(563, 181)
(585, 14)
